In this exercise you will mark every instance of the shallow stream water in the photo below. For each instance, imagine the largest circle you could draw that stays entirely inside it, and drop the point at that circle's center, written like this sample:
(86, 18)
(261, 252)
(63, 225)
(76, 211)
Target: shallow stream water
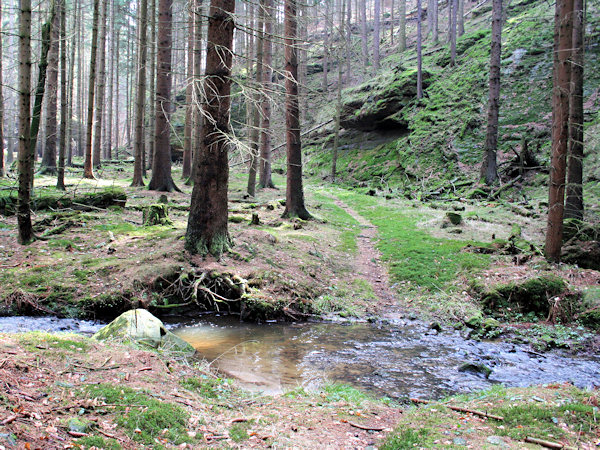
(397, 359)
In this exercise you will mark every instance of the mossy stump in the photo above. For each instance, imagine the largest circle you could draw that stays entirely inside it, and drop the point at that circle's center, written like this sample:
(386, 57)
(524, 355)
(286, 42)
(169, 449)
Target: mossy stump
(157, 214)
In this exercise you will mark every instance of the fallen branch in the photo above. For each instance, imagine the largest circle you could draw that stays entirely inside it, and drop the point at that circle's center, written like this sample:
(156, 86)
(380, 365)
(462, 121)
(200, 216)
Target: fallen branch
(76, 434)
(9, 419)
(366, 427)
(543, 443)
(108, 435)
(475, 412)
(418, 400)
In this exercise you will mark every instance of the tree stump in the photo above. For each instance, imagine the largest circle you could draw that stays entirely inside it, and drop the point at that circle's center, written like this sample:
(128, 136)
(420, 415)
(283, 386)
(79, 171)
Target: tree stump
(157, 214)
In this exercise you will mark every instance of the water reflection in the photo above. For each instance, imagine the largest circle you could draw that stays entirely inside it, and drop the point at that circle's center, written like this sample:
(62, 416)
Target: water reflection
(393, 360)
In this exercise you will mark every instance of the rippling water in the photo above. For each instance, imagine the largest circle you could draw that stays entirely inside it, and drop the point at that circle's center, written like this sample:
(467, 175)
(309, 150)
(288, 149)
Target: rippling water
(395, 360)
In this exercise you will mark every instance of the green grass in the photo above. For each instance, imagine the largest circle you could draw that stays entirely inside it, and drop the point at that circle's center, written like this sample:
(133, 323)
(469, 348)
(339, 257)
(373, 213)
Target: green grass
(98, 442)
(337, 217)
(207, 387)
(413, 255)
(39, 340)
(143, 417)
(406, 439)
(337, 392)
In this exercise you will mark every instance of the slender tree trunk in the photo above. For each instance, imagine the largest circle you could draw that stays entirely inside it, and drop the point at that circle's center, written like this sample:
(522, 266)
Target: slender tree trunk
(151, 147)
(338, 112)
(574, 204)
(161, 165)
(25, 147)
(207, 224)
(111, 85)
(392, 10)
(489, 168)
(80, 89)
(419, 53)
(69, 139)
(256, 103)
(88, 169)
(64, 100)
(376, 34)
(189, 92)
(326, 49)
(2, 164)
(101, 88)
(138, 144)
(560, 127)
(435, 11)
(363, 32)
(461, 17)
(48, 165)
(348, 41)
(452, 30)
(294, 206)
(197, 91)
(118, 97)
(402, 26)
(265, 178)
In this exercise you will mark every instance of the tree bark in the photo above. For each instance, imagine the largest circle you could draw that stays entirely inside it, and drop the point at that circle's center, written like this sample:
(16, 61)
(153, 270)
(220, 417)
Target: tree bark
(189, 92)
(574, 204)
(452, 30)
(2, 164)
(151, 145)
(461, 17)
(325, 88)
(88, 166)
(265, 178)
(419, 53)
(48, 165)
(294, 206)
(363, 32)
(64, 99)
(161, 163)
(402, 26)
(101, 88)
(560, 126)
(138, 145)
(207, 231)
(376, 34)
(25, 147)
(489, 168)
(338, 111)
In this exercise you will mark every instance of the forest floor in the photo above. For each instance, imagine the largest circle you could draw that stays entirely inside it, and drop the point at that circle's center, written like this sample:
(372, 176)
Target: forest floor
(361, 257)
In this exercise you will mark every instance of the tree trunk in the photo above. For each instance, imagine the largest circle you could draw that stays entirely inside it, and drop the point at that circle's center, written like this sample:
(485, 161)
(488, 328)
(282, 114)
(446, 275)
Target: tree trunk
(64, 100)
(461, 17)
(489, 168)
(2, 164)
(574, 204)
(207, 223)
(189, 92)
(294, 206)
(265, 178)
(435, 11)
(560, 126)
(419, 53)
(363, 32)
(111, 85)
(338, 111)
(376, 34)
(161, 164)
(452, 30)
(402, 26)
(25, 147)
(101, 88)
(69, 139)
(138, 144)
(326, 50)
(48, 165)
(197, 92)
(151, 146)
(88, 166)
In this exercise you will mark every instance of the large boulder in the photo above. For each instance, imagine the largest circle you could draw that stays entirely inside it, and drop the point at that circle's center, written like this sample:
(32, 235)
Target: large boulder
(378, 104)
(138, 325)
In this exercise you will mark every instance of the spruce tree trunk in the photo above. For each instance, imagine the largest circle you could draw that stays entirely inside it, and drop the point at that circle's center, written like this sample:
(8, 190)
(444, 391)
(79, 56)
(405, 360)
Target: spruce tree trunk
(189, 92)
(197, 92)
(363, 32)
(376, 34)
(138, 144)
(265, 178)
(419, 53)
(101, 88)
(151, 146)
(338, 112)
(461, 17)
(560, 127)
(294, 206)
(489, 168)
(161, 163)
(48, 165)
(207, 223)
(402, 26)
(452, 30)
(64, 100)
(25, 147)
(574, 203)
(111, 85)
(2, 164)
(88, 166)
(69, 139)
(326, 49)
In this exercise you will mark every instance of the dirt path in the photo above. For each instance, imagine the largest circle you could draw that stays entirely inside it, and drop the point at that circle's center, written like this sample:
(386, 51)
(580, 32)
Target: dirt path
(368, 264)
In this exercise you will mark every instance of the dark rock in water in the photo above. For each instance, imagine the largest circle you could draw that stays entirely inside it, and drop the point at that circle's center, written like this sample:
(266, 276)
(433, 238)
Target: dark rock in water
(477, 369)
(435, 326)
(585, 254)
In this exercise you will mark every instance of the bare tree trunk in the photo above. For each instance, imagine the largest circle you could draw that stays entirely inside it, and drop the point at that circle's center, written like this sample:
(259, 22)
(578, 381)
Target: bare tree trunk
(69, 139)
(560, 127)
(161, 165)
(111, 85)
(88, 169)
(2, 164)
(151, 146)
(48, 165)
(574, 204)
(265, 178)
(64, 100)
(117, 102)
(25, 147)
(402, 27)
(435, 12)
(189, 92)
(363, 31)
(419, 53)
(452, 30)
(207, 223)
(348, 41)
(326, 49)
(197, 92)
(489, 169)
(376, 34)
(294, 206)
(138, 144)
(461, 17)
(101, 88)
(338, 110)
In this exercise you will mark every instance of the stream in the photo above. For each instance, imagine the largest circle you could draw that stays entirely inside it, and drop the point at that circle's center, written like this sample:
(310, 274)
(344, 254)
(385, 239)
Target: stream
(398, 359)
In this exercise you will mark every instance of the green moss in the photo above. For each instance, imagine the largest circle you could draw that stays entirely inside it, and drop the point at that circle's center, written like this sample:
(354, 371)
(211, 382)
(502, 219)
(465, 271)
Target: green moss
(208, 387)
(98, 442)
(405, 439)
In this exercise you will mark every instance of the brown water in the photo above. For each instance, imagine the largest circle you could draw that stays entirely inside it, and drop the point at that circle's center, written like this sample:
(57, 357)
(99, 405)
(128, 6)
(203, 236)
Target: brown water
(396, 359)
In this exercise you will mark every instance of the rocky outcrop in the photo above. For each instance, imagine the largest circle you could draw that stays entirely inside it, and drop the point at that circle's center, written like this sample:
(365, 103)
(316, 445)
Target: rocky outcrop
(139, 326)
(378, 104)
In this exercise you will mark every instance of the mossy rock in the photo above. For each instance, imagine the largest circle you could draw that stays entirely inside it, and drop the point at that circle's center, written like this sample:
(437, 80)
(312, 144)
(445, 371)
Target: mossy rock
(585, 254)
(591, 319)
(139, 326)
(157, 214)
(474, 321)
(529, 296)
(454, 218)
(477, 369)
